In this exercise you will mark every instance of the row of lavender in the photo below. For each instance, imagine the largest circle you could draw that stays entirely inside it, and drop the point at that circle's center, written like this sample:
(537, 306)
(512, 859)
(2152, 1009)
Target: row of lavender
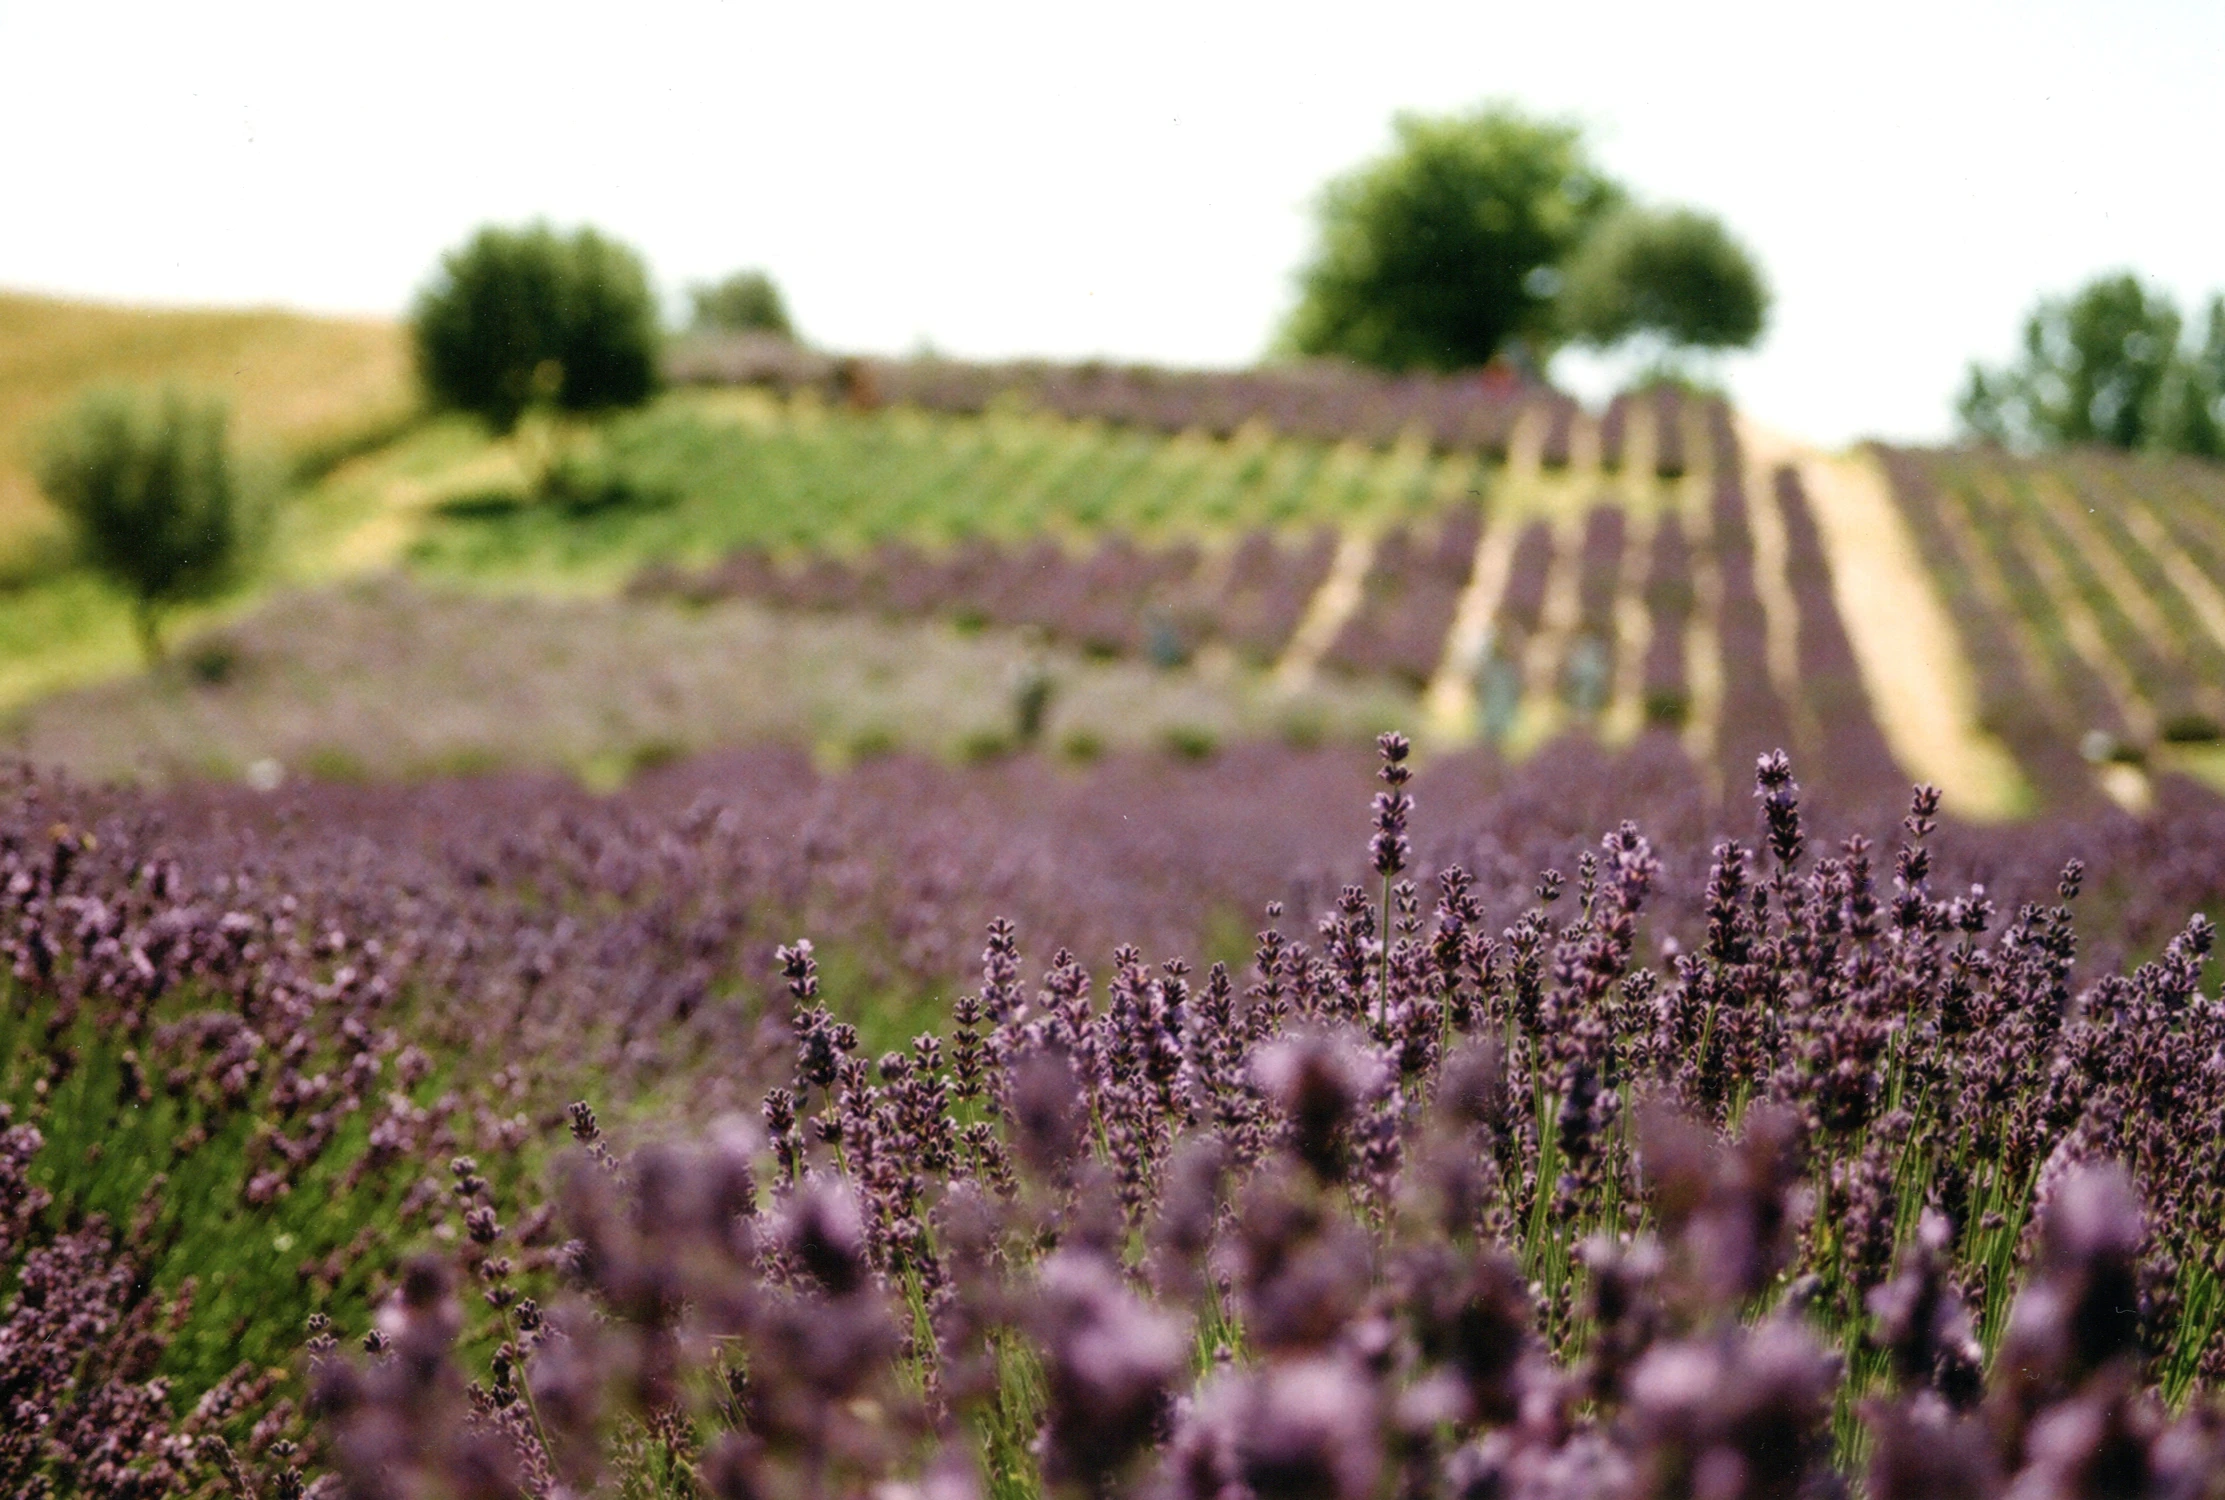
(1120, 598)
(1391, 1178)
(1321, 402)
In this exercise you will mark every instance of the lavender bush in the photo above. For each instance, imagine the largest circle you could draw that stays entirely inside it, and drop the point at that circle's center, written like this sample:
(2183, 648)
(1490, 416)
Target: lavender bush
(1416, 1210)
(1714, 1167)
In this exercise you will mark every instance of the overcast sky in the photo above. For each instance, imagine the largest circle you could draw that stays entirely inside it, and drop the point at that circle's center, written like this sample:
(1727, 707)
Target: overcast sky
(1129, 180)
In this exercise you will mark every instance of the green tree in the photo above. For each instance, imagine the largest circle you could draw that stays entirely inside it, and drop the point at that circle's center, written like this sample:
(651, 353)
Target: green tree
(519, 319)
(745, 302)
(152, 491)
(1437, 254)
(1675, 276)
(2094, 368)
(2191, 415)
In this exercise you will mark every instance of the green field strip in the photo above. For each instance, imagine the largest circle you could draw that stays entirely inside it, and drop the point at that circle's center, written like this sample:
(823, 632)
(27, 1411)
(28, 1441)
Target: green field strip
(1182, 467)
(1210, 500)
(1059, 457)
(1014, 488)
(941, 474)
(1336, 490)
(1286, 476)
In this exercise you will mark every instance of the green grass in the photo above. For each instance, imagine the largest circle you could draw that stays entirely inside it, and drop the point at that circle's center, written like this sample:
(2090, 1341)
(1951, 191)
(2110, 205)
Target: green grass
(710, 473)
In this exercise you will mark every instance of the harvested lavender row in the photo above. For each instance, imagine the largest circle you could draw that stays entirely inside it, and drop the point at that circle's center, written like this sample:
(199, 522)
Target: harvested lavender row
(1850, 746)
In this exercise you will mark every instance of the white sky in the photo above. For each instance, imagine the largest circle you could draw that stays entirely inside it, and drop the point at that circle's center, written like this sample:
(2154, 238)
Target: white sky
(1130, 180)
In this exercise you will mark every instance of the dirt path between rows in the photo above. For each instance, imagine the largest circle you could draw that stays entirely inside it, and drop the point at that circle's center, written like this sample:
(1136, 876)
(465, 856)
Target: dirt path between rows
(1920, 682)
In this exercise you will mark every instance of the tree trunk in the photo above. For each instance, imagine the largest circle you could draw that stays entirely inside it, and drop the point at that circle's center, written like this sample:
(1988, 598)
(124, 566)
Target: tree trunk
(146, 619)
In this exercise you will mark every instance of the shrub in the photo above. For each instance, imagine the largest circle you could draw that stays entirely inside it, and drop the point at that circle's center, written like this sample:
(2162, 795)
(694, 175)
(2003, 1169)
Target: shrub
(1668, 708)
(154, 495)
(519, 319)
(1190, 741)
(745, 302)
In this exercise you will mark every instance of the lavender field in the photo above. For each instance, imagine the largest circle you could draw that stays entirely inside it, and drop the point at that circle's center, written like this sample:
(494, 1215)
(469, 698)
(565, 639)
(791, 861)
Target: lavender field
(864, 938)
(1168, 1128)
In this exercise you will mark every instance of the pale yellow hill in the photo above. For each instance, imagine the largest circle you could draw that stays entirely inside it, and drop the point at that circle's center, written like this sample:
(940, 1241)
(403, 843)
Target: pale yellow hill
(294, 381)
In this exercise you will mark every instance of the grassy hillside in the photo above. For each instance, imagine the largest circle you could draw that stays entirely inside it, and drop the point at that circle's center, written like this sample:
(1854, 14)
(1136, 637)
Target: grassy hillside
(294, 381)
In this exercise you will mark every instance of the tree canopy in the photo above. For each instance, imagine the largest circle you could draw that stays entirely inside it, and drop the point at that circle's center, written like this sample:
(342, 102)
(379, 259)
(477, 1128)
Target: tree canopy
(2104, 365)
(154, 496)
(1437, 254)
(524, 318)
(1674, 275)
(745, 302)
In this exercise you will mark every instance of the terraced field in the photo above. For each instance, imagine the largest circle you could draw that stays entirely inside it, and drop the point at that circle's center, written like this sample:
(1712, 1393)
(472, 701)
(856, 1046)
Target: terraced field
(2024, 633)
(1627, 573)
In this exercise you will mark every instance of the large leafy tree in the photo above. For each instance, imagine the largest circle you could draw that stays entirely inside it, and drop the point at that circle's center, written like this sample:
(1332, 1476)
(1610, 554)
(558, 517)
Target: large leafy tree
(1439, 253)
(519, 319)
(1672, 276)
(2094, 369)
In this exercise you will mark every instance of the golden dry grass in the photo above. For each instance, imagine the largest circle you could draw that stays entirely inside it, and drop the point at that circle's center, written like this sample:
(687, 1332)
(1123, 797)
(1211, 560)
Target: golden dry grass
(294, 381)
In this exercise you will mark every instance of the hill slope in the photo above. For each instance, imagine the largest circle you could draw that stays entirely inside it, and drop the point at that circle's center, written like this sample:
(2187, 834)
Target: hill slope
(294, 381)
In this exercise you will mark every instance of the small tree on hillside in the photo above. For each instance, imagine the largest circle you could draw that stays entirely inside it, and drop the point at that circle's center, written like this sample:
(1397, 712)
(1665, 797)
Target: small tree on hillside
(152, 491)
(524, 318)
(1674, 276)
(745, 302)
(1437, 254)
